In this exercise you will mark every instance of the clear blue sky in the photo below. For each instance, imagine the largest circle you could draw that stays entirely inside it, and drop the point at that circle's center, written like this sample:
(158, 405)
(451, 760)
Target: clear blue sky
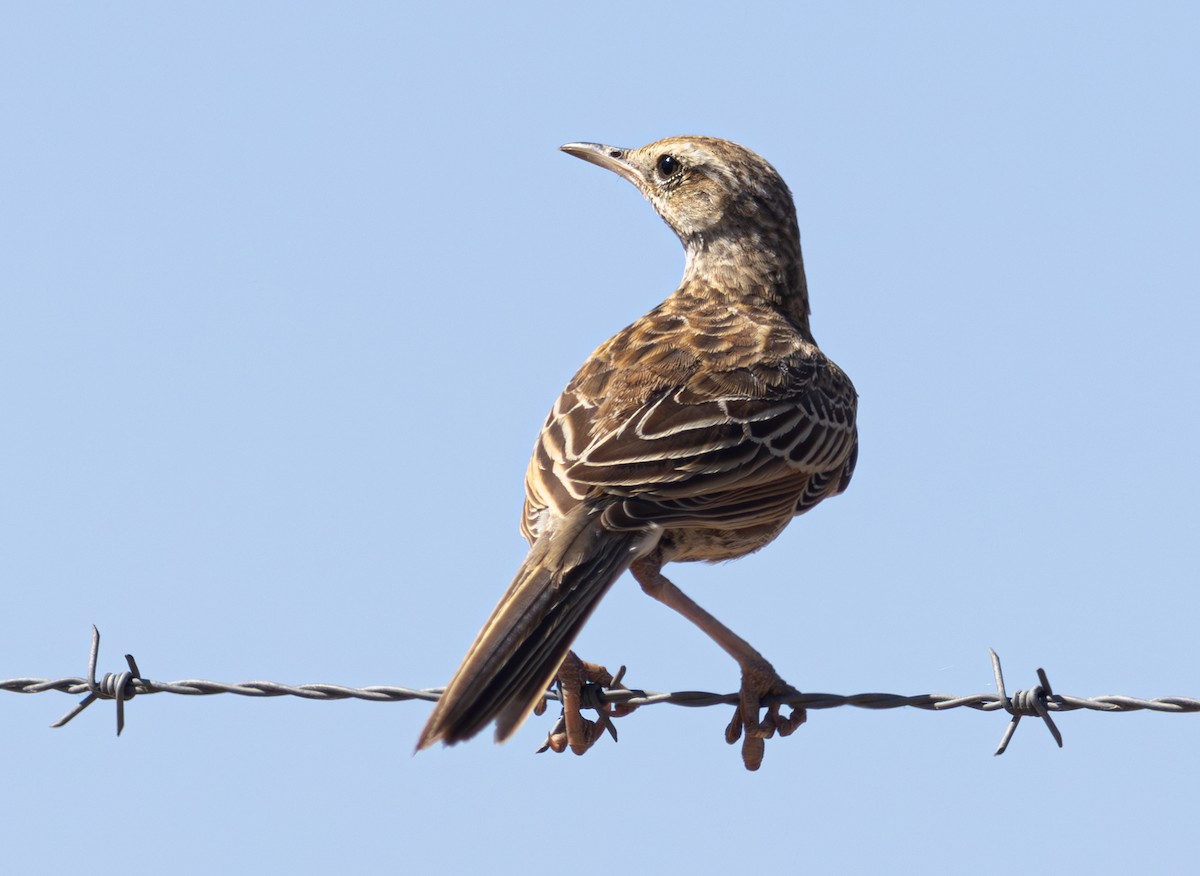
(286, 290)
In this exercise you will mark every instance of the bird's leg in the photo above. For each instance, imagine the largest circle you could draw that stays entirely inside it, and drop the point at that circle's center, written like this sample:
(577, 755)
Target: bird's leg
(759, 678)
(573, 729)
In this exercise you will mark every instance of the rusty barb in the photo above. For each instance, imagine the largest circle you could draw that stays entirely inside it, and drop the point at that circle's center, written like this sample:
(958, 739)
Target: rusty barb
(607, 695)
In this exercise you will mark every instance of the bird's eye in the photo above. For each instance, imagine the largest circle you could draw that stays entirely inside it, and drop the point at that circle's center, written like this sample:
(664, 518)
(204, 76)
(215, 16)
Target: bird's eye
(668, 165)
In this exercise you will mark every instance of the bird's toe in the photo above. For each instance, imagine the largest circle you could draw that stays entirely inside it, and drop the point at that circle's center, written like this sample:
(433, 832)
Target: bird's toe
(579, 684)
(759, 682)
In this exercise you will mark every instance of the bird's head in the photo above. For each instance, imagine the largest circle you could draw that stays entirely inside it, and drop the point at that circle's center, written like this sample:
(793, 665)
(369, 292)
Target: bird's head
(729, 207)
(703, 187)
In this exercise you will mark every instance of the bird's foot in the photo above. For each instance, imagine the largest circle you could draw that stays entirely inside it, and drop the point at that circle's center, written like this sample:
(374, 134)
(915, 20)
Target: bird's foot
(579, 684)
(760, 681)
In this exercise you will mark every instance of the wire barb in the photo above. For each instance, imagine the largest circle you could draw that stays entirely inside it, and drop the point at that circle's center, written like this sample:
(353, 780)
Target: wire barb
(1024, 702)
(119, 687)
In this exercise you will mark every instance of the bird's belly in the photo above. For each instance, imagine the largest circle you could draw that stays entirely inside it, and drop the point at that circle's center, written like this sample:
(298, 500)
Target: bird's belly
(713, 543)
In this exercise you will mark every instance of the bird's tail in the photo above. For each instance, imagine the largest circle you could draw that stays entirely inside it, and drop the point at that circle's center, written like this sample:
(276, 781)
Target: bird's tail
(518, 651)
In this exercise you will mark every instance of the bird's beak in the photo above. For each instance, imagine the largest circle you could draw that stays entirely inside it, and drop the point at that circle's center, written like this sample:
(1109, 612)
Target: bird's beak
(612, 158)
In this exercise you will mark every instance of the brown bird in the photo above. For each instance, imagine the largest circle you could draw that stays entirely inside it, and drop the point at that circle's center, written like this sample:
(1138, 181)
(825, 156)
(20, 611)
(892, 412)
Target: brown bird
(696, 433)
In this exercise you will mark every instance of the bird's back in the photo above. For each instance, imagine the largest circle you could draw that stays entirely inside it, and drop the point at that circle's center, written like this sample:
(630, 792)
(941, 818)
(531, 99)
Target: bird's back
(717, 418)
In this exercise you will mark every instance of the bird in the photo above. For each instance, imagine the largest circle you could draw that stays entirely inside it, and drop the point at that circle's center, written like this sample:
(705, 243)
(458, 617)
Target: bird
(696, 433)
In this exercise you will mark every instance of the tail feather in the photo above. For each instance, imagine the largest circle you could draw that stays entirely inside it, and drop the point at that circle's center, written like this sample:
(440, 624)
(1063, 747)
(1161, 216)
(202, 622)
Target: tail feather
(517, 653)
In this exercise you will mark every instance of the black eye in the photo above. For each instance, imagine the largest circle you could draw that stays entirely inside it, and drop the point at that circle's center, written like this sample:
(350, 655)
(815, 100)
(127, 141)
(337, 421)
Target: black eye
(668, 165)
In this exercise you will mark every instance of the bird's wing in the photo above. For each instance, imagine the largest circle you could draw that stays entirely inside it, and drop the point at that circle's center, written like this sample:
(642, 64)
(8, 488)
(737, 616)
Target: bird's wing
(719, 447)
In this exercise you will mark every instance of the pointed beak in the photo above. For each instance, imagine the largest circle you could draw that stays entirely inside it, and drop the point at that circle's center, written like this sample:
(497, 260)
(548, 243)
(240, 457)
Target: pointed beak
(612, 158)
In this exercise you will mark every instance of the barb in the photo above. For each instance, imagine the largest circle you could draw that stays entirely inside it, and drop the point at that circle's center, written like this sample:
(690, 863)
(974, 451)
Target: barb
(1024, 702)
(1040, 701)
(111, 687)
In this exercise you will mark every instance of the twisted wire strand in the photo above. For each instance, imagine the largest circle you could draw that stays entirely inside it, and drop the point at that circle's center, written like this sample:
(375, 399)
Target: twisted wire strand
(1038, 702)
(984, 702)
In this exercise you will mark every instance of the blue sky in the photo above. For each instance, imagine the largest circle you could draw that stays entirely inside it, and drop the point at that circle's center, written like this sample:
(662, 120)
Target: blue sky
(287, 290)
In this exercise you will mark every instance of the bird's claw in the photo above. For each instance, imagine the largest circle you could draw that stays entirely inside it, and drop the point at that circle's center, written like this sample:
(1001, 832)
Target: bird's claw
(587, 732)
(760, 682)
(578, 683)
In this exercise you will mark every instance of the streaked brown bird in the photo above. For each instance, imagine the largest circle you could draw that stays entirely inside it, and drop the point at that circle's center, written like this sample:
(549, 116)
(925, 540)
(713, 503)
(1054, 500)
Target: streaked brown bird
(696, 433)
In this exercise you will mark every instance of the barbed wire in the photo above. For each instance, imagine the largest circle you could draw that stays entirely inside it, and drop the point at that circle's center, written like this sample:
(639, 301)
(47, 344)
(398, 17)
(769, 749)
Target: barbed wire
(1039, 701)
